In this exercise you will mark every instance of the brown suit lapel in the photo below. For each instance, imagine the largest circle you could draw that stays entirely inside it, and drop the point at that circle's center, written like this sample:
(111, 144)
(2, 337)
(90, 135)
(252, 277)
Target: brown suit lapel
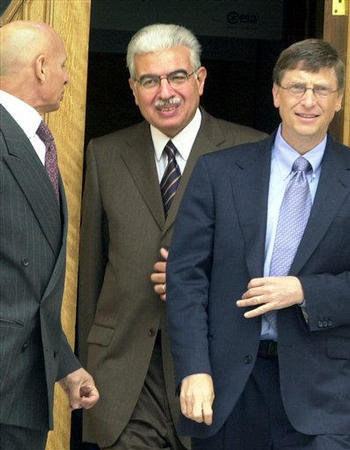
(139, 158)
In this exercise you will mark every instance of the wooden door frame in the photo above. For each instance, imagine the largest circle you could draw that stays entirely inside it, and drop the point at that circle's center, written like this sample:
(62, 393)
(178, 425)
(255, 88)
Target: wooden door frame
(336, 31)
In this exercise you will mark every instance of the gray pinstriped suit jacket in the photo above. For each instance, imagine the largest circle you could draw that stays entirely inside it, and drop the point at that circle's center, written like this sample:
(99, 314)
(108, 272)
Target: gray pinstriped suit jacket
(34, 352)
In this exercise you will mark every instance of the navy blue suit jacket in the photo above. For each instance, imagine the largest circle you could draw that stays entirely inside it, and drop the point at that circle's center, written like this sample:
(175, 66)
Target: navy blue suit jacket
(218, 246)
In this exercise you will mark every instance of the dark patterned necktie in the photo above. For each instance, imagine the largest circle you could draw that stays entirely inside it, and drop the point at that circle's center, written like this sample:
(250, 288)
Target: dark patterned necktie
(171, 177)
(293, 217)
(51, 165)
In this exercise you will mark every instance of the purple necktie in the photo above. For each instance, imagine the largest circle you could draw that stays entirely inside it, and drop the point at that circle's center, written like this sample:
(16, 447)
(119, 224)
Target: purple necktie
(293, 217)
(171, 177)
(51, 165)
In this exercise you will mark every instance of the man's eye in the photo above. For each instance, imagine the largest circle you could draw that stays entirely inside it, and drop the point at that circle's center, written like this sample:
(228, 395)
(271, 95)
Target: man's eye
(297, 88)
(321, 90)
(178, 78)
(148, 82)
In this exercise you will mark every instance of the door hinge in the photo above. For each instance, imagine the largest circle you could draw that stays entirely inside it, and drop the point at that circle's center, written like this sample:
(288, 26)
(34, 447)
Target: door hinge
(340, 7)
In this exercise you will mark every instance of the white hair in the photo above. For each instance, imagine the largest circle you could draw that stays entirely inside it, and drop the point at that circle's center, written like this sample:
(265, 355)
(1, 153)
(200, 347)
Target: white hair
(159, 36)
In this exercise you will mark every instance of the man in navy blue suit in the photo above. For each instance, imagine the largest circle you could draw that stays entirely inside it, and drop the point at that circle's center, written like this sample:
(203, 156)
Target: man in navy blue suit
(258, 276)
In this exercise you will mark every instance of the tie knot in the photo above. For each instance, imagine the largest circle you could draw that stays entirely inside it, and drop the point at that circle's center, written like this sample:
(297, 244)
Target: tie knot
(44, 133)
(301, 164)
(170, 149)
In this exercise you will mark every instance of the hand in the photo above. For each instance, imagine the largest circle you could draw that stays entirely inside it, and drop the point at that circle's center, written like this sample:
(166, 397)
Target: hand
(197, 397)
(158, 277)
(271, 293)
(80, 388)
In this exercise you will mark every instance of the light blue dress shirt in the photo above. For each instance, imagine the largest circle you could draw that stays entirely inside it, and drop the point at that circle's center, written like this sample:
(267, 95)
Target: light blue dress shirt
(282, 159)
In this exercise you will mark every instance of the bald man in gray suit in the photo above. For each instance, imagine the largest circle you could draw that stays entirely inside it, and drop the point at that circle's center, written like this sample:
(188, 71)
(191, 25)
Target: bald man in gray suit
(34, 352)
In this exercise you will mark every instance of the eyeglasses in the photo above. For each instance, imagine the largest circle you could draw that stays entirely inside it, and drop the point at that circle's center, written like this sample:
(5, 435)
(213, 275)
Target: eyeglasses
(298, 90)
(175, 79)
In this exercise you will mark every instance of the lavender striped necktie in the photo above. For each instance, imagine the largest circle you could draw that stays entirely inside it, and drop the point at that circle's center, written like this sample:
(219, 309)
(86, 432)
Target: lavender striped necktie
(171, 177)
(293, 217)
(51, 165)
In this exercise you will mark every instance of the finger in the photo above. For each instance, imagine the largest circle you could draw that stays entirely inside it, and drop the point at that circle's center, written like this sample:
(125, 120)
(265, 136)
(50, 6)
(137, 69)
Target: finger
(197, 413)
(255, 282)
(258, 300)
(159, 266)
(88, 390)
(187, 405)
(158, 277)
(160, 288)
(183, 406)
(75, 403)
(163, 297)
(259, 311)
(164, 253)
(207, 413)
(89, 401)
(73, 392)
(253, 292)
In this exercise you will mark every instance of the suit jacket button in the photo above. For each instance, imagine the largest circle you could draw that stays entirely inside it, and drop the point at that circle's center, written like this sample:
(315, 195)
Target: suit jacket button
(248, 359)
(25, 262)
(151, 332)
(25, 346)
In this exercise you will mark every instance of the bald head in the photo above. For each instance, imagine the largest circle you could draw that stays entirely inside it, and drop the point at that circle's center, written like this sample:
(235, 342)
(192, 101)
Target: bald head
(21, 43)
(32, 55)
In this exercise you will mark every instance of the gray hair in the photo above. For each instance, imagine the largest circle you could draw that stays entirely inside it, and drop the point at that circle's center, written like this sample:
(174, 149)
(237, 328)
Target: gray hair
(159, 36)
(310, 55)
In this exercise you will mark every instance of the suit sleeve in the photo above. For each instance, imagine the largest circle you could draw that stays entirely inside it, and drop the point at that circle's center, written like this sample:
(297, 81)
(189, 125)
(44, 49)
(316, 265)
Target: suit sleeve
(68, 361)
(188, 277)
(93, 252)
(327, 300)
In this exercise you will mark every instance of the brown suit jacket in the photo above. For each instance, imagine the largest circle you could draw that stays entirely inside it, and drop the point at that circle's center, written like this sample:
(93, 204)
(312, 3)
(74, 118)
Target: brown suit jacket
(123, 229)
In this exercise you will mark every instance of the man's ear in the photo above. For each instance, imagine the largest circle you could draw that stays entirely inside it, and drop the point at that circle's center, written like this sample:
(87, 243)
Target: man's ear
(40, 68)
(201, 75)
(339, 102)
(275, 95)
(132, 85)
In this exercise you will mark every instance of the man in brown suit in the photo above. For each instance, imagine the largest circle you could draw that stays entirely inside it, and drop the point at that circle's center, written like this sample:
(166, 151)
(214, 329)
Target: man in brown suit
(122, 327)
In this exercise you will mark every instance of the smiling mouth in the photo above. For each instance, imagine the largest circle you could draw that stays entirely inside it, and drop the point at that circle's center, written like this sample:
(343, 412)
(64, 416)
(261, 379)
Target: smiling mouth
(307, 116)
(168, 105)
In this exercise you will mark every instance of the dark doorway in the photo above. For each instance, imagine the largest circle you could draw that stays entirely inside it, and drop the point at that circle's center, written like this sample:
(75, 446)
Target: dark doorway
(238, 87)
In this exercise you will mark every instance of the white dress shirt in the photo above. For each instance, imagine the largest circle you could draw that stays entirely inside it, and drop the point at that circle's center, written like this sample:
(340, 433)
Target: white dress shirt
(27, 118)
(183, 142)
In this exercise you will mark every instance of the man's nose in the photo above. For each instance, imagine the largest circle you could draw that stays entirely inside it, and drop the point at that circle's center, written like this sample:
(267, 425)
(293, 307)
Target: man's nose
(66, 77)
(166, 90)
(309, 97)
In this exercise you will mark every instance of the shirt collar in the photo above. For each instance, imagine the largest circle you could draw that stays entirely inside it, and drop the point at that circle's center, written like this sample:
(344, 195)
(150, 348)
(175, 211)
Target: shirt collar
(285, 155)
(183, 141)
(25, 115)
